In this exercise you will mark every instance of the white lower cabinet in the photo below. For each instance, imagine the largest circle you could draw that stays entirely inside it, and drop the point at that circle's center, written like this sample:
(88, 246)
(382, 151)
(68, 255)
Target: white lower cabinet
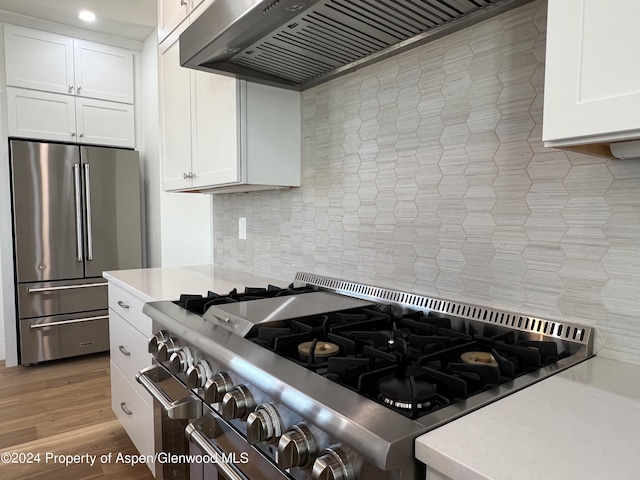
(53, 116)
(134, 413)
(128, 350)
(129, 330)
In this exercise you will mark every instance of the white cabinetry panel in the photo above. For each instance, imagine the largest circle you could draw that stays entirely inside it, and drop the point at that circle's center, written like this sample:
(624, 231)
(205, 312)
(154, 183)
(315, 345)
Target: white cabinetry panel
(33, 114)
(171, 13)
(38, 60)
(128, 350)
(103, 72)
(105, 123)
(175, 114)
(592, 93)
(135, 415)
(215, 129)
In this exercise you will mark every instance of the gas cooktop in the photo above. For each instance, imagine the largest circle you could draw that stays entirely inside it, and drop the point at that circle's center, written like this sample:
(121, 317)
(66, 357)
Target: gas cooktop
(363, 367)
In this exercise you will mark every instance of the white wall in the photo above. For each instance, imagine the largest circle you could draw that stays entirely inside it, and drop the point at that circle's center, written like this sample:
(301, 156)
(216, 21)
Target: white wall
(8, 336)
(150, 151)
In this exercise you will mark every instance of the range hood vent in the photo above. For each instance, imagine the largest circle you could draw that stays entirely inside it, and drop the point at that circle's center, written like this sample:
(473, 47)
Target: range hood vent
(301, 44)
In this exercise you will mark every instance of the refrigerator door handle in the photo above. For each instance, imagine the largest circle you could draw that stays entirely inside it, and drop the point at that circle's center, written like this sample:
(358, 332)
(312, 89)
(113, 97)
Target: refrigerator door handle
(78, 208)
(87, 200)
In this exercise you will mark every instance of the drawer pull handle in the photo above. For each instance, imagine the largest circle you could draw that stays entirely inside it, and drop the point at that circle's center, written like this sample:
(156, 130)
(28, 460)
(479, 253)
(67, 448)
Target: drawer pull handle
(123, 305)
(124, 408)
(123, 350)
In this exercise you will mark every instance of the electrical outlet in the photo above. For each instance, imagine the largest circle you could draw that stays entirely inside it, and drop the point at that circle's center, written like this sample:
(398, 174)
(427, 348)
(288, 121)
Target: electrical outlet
(242, 228)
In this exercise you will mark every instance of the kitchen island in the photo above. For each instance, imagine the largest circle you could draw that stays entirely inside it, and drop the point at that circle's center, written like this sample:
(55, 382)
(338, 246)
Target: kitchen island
(582, 423)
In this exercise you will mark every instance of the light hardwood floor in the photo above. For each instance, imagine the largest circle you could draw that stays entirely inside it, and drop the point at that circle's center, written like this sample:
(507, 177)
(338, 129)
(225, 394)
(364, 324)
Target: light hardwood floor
(62, 408)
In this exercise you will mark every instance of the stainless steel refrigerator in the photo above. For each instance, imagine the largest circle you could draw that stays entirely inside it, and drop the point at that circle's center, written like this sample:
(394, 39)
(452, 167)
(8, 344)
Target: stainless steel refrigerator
(76, 213)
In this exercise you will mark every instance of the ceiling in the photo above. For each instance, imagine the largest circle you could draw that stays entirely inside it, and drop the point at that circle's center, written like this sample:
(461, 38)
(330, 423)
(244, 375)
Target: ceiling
(133, 19)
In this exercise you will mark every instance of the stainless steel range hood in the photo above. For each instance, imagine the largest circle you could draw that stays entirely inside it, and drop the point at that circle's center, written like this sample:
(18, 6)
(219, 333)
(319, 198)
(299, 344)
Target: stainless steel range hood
(298, 44)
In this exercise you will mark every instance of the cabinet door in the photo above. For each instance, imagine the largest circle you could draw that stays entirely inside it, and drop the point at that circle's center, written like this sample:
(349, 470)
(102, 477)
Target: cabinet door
(175, 114)
(105, 123)
(592, 70)
(171, 13)
(41, 115)
(215, 119)
(103, 72)
(38, 60)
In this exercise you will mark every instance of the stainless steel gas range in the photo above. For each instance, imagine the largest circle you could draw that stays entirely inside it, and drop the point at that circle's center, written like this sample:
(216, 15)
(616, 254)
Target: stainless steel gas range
(330, 379)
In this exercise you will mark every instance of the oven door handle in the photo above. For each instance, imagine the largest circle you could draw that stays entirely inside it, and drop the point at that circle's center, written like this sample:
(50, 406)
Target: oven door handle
(187, 407)
(195, 435)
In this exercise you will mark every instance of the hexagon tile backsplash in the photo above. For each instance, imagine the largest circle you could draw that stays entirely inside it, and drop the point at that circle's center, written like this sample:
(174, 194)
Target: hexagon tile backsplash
(427, 173)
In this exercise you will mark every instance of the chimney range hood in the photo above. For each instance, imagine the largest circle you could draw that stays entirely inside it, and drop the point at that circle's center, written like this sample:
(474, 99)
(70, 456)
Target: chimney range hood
(298, 44)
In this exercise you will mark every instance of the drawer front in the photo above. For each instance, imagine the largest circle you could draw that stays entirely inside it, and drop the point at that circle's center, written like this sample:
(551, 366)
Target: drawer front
(61, 336)
(128, 350)
(43, 299)
(129, 307)
(134, 413)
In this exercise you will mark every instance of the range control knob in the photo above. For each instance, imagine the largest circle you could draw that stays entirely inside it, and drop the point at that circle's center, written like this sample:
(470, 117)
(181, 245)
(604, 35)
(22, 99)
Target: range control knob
(216, 387)
(263, 424)
(296, 447)
(332, 464)
(181, 360)
(156, 340)
(166, 348)
(237, 403)
(198, 374)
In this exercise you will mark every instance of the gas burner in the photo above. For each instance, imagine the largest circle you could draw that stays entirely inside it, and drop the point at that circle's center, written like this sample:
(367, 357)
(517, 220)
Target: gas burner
(478, 358)
(407, 393)
(317, 350)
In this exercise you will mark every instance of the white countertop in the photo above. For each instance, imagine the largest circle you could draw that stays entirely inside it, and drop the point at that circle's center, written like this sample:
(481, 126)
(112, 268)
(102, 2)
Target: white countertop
(151, 284)
(582, 423)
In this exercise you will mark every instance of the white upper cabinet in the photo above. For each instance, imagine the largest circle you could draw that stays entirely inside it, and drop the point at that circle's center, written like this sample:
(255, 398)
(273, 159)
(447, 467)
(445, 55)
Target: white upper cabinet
(592, 91)
(172, 14)
(175, 118)
(38, 60)
(220, 134)
(103, 71)
(68, 90)
(53, 63)
(64, 118)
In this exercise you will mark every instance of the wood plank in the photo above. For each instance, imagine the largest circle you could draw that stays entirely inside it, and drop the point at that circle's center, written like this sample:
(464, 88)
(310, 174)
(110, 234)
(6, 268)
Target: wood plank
(63, 408)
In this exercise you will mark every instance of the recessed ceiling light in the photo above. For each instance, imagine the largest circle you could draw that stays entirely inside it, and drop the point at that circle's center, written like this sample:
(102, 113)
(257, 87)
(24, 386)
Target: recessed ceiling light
(87, 16)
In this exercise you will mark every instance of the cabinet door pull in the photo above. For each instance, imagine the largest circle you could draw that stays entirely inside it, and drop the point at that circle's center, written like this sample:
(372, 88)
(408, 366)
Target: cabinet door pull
(78, 90)
(123, 305)
(70, 88)
(183, 3)
(124, 350)
(187, 175)
(124, 408)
